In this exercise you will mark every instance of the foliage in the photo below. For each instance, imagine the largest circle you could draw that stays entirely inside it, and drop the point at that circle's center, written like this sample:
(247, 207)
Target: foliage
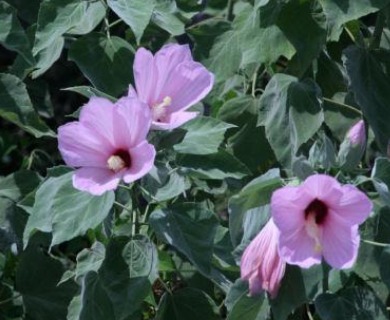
(291, 78)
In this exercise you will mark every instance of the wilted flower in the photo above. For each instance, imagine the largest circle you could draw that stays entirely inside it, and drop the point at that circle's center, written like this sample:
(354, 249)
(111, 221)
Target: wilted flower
(170, 82)
(318, 219)
(107, 144)
(261, 263)
(352, 148)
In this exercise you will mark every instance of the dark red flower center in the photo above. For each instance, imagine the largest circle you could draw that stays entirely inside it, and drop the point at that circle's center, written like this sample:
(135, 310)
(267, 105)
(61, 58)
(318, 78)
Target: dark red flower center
(318, 209)
(119, 160)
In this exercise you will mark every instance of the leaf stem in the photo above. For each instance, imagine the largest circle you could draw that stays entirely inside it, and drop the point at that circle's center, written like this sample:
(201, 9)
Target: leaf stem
(10, 299)
(167, 289)
(122, 206)
(346, 106)
(379, 26)
(230, 9)
(377, 244)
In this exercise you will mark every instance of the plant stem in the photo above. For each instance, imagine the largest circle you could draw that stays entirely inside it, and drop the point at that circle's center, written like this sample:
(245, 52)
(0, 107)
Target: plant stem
(376, 37)
(230, 9)
(378, 244)
(346, 106)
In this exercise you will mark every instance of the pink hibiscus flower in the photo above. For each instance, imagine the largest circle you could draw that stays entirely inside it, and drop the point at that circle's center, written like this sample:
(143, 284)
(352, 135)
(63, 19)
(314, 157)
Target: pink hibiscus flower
(107, 144)
(319, 218)
(170, 82)
(261, 263)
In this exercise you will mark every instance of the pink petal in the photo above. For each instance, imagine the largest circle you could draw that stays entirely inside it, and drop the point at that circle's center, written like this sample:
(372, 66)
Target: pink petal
(142, 160)
(340, 243)
(144, 75)
(188, 83)
(323, 187)
(95, 180)
(98, 116)
(174, 120)
(354, 206)
(298, 248)
(80, 146)
(131, 93)
(288, 206)
(132, 122)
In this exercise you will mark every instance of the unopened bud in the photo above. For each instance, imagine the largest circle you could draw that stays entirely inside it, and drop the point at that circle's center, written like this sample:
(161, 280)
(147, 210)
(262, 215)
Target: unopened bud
(352, 148)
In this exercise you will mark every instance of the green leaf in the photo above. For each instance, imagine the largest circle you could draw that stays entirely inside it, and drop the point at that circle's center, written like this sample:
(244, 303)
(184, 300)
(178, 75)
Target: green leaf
(371, 87)
(93, 15)
(191, 229)
(90, 259)
(218, 166)
(291, 294)
(37, 276)
(52, 211)
(16, 107)
(164, 16)
(106, 62)
(18, 184)
(187, 303)
(248, 141)
(338, 12)
(110, 293)
(141, 256)
(12, 35)
(47, 56)
(358, 303)
(257, 193)
(162, 183)
(135, 13)
(291, 112)
(89, 92)
(381, 178)
(204, 135)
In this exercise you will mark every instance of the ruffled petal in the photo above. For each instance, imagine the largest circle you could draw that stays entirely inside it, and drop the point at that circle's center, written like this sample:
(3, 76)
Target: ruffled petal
(188, 83)
(144, 75)
(354, 206)
(80, 146)
(288, 206)
(298, 248)
(340, 243)
(98, 116)
(132, 122)
(95, 180)
(174, 120)
(142, 160)
(324, 188)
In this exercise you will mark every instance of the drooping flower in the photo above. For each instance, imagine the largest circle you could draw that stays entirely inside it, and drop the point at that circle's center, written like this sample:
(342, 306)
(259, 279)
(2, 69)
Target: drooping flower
(352, 148)
(261, 264)
(170, 82)
(107, 144)
(319, 218)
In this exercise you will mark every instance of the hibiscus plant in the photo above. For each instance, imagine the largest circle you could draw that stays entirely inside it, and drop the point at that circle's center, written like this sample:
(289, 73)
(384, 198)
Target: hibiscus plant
(194, 159)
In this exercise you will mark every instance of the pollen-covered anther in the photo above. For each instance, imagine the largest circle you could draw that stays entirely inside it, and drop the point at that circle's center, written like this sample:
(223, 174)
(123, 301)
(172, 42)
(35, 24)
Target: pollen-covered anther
(159, 109)
(116, 163)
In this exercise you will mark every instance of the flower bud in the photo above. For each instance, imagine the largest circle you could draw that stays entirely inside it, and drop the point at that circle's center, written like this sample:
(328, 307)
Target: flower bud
(352, 148)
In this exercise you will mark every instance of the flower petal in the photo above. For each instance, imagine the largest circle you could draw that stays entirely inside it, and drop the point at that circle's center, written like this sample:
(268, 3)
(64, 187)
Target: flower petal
(323, 187)
(142, 160)
(188, 83)
(288, 206)
(132, 122)
(354, 206)
(98, 116)
(340, 243)
(95, 180)
(79, 146)
(174, 120)
(298, 248)
(144, 75)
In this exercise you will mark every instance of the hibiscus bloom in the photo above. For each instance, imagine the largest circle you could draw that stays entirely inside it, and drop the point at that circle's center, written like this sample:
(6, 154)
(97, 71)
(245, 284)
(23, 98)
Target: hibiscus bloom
(261, 263)
(107, 144)
(170, 82)
(319, 218)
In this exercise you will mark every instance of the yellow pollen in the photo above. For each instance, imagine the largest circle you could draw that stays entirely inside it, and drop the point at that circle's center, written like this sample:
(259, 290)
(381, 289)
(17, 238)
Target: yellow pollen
(115, 163)
(313, 231)
(159, 109)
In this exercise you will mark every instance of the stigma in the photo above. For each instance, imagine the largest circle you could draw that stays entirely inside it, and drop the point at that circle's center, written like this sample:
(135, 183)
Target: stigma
(159, 109)
(115, 163)
(313, 230)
